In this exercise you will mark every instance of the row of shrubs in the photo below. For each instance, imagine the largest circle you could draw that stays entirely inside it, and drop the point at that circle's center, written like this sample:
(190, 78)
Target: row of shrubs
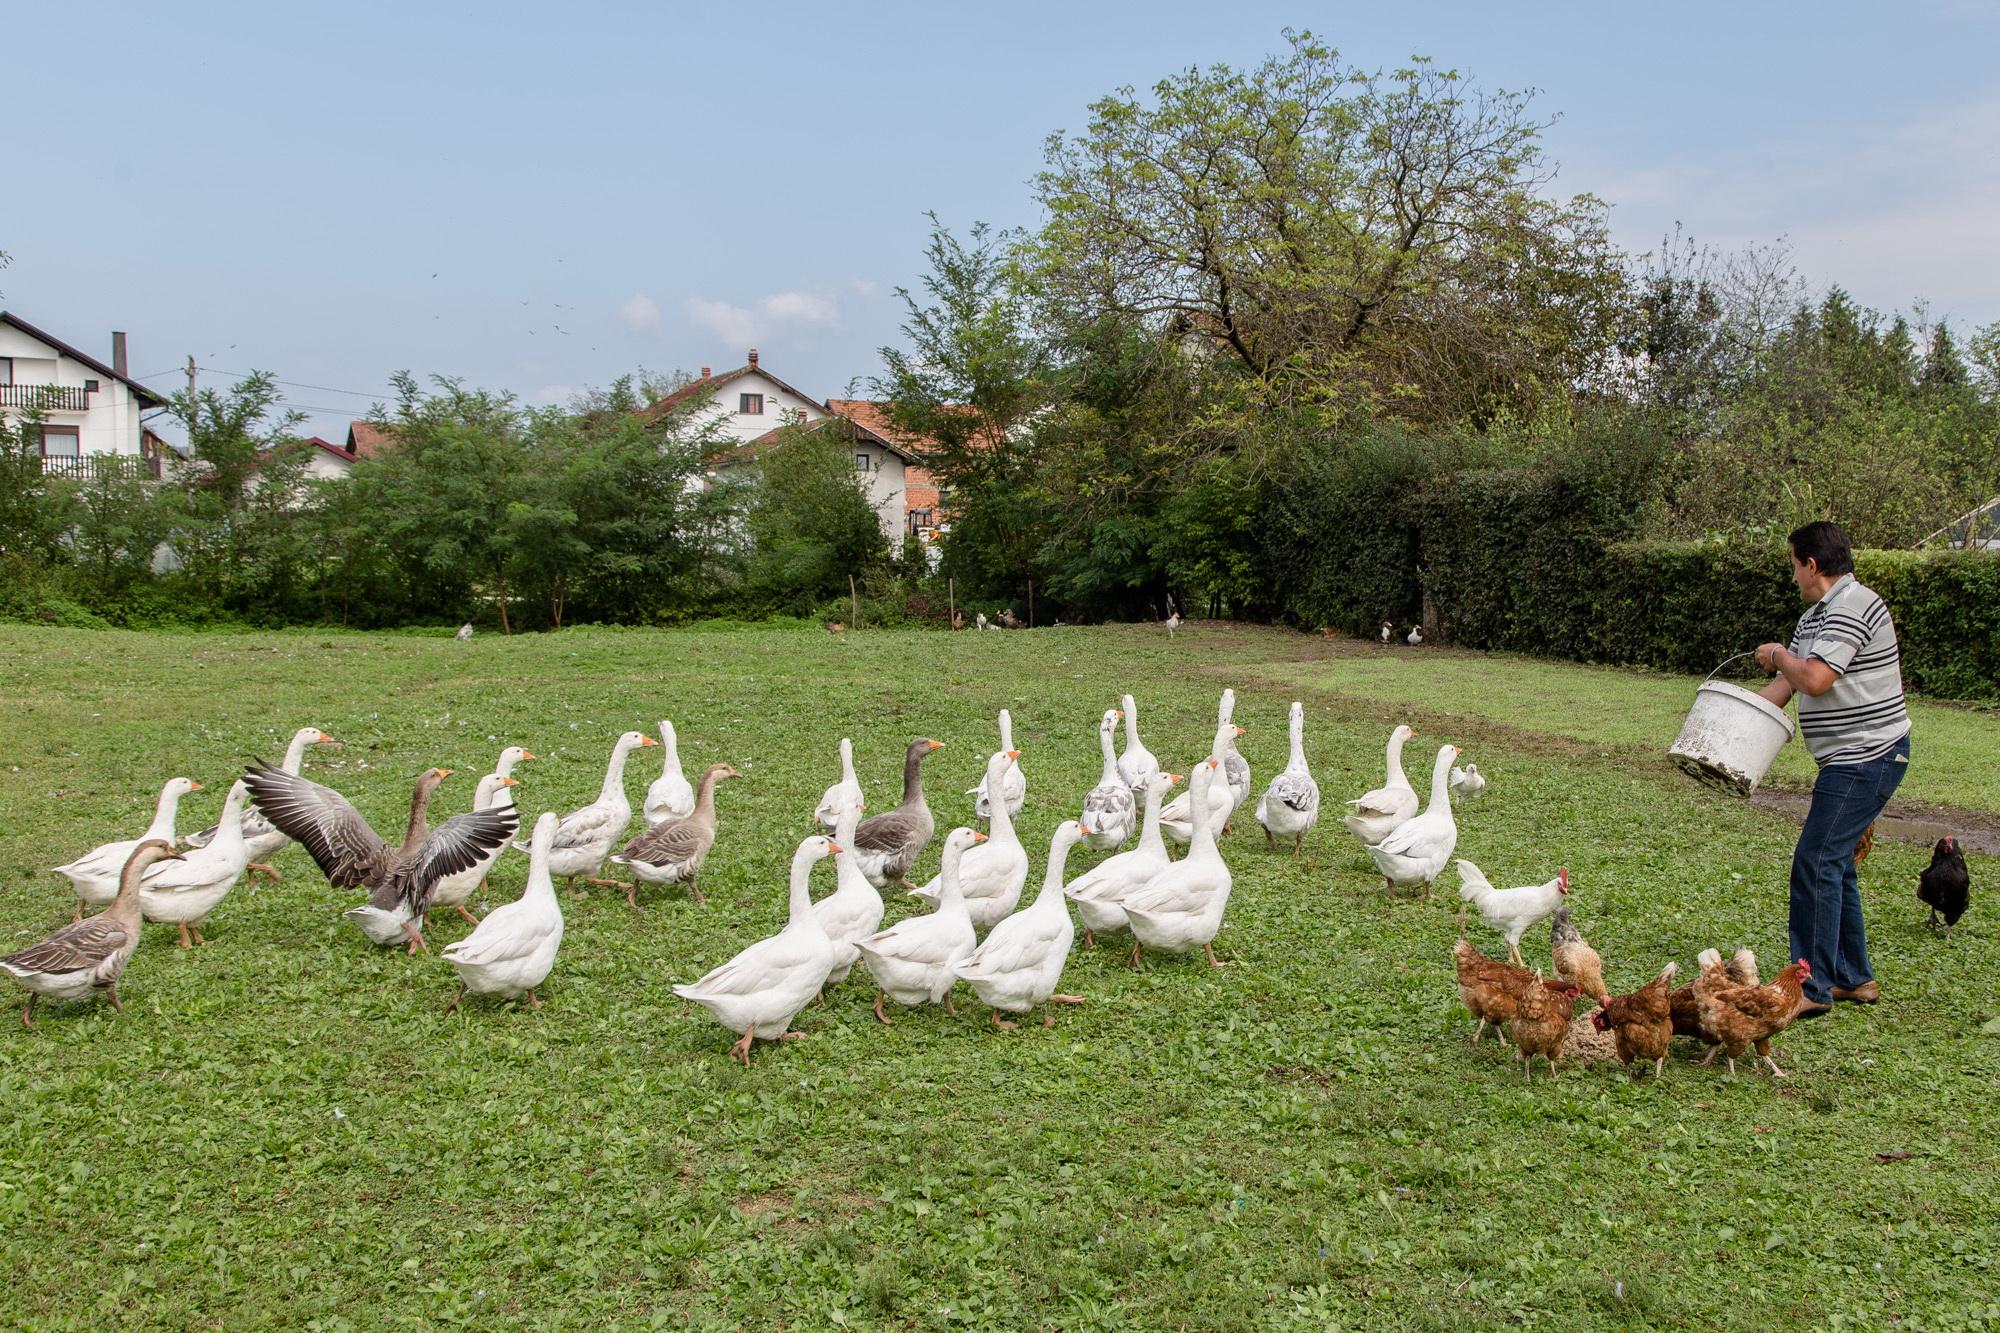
(1542, 560)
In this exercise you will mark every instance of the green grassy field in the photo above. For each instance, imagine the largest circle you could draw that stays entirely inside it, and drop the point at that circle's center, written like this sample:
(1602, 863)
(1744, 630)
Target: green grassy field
(284, 1128)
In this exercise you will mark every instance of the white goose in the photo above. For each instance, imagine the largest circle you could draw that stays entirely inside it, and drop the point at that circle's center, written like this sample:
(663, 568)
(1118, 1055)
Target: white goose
(1177, 816)
(1109, 813)
(496, 792)
(1021, 962)
(853, 911)
(992, 874)
(586, 836)
(841, 795)
(511, 952)
(759, 991)
(1099, 892)
(1014, 784)
(1289, 807)
(1137, 763)
(1377, 814)
(671, 795)
(1235, 768)
(912, 960)
(1419, 847)
(183, 892)
(1468, 783)
(1181, 907)
(95, 874)
(262, 839)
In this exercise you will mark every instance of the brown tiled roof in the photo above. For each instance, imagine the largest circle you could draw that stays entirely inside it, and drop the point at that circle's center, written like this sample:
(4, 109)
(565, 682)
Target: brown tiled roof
(708, 384)
(149, 397)
(862, 435)
(365, 439)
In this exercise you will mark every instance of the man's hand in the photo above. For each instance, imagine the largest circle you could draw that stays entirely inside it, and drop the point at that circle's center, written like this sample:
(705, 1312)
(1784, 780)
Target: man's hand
(1804, 675)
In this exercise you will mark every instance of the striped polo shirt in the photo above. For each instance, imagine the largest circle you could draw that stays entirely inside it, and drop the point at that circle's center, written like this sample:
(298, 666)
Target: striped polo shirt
(1862, 716)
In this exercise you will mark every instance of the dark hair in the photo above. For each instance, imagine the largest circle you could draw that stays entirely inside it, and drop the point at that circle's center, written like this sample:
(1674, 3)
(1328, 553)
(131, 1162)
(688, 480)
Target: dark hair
(1825, 545)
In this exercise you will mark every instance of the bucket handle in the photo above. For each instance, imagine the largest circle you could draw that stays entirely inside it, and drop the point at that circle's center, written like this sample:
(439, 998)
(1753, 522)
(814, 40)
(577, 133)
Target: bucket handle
(1725, 662)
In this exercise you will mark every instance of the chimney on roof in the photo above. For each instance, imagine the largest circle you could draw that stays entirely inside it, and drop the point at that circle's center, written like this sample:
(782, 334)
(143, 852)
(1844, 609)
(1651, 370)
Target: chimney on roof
(753, 356)
(118, 353)
(704, 372)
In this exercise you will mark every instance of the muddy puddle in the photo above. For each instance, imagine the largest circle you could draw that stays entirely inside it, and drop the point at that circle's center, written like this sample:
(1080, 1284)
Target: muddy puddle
(1923, 825)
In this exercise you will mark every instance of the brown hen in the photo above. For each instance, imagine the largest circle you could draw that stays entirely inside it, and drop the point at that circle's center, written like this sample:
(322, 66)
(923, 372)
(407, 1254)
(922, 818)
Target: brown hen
(1642, 1023)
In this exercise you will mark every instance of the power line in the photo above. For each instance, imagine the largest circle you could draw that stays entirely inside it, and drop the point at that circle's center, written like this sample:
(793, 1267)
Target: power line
(295, 384)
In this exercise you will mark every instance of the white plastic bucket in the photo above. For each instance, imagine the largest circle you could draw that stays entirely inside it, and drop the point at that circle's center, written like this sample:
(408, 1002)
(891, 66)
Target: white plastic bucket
(1731, 736)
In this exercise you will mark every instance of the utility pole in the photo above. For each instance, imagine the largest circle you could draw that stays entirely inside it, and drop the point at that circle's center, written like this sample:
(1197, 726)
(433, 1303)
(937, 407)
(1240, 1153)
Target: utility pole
(191, 409)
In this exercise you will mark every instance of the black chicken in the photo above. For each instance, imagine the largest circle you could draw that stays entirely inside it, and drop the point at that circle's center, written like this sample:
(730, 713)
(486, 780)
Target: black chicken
(1944, 887)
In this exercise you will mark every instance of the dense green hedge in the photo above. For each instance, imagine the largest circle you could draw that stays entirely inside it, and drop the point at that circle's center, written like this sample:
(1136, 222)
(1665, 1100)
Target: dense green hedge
(1538, 560)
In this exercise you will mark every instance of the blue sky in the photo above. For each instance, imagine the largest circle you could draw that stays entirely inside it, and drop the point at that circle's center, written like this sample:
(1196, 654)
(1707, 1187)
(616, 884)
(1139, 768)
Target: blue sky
(538, 198)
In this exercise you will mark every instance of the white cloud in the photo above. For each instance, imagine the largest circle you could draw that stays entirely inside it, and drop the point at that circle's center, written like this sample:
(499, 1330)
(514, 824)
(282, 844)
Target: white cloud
(1899, 215)
(740, 326)
(865, 288)
(798, 308)
(734, 325)
(640, 314)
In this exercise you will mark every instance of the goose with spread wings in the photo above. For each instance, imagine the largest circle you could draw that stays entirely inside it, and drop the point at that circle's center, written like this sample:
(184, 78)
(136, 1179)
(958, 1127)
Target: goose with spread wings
(400, 879)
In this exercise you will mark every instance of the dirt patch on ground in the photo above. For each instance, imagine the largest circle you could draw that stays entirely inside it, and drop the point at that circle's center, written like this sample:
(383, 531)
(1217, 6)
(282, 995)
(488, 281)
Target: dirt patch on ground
(1905, 821)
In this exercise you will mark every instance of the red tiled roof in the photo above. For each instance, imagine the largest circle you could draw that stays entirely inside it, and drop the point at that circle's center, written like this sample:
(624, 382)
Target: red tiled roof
(708, 384)
(365, 439)
(862, 434)
(147, 396)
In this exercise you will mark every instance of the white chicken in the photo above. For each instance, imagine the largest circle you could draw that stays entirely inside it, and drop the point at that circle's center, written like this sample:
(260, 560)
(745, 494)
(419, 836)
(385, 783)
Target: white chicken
(1511, 911)
(1468, 783)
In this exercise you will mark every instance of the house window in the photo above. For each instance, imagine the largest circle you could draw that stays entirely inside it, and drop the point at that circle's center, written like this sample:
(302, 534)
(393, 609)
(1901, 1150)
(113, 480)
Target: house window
(861, 462)
(59, 442)
(750, 404)
(919, 518)
(6, 370)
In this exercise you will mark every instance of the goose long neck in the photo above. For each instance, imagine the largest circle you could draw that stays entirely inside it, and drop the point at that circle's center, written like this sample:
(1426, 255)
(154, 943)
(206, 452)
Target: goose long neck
(614, 775)
(1203, 842)
(1396, 778)
(229, 833)
(1052, 882)
(540, 886)
(295, 753)
(420, 805)
(951, 894)
(1006, 730)
(846, 870)
(1149, 823)
(913, 777)
(1131, 721)
(165, 812)
(124, 908)
(847, 761)
(1298, 759)
(704, 796)
(801, 893)
(1441, 776)
(670, 751)
(1110, 754)
(1002, 821)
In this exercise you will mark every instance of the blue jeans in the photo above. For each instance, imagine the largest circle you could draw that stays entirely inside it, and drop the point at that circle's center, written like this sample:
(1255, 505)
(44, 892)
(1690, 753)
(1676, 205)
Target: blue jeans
(1826, 927)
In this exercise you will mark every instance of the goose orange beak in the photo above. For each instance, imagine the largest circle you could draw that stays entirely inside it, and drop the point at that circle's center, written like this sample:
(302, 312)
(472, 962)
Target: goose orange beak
(644, 741)
(193, 785)
(509, 782)
(1013, 754)
(832, 846)
(527, 754)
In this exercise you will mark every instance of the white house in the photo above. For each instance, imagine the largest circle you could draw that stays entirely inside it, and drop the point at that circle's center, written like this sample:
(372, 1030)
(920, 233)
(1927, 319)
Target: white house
(93, 414)
(751, 406)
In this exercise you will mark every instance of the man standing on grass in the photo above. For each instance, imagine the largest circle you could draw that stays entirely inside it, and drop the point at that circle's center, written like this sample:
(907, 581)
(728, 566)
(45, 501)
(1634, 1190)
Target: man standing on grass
(1844, 666)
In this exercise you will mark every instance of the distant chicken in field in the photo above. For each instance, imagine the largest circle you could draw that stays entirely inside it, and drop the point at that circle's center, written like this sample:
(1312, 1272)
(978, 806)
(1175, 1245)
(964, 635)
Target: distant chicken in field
(1542, 1022)
(1415, 636)
(1944, 887)
(1742, 1017)
(1511, 911)
(1388, 631)
(1643, 1022)
(1741, 969)
(1490, 989)
(1575, 959)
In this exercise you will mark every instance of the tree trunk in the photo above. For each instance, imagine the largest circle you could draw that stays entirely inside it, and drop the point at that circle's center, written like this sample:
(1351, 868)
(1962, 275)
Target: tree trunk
(500, 572)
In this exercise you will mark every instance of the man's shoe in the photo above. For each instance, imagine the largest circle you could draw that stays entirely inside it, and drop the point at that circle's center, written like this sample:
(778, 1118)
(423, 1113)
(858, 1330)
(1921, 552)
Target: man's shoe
(1807, 1009)
(1866, 993)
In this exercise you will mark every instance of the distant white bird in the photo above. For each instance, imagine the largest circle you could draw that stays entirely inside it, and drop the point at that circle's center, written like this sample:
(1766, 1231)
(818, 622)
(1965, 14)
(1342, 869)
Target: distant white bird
(979, 617)
(1173, 623)
(464, 632)
(1388, 630)
(1467, 783)
(1415, 636)
(1289, 807)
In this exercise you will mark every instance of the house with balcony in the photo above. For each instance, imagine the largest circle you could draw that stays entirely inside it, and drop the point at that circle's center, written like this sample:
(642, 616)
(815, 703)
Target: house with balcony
(92, 415)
